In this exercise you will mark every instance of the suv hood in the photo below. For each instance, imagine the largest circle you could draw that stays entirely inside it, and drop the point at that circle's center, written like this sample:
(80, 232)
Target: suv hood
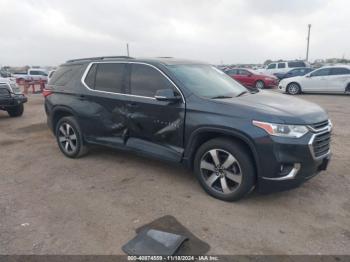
(274, 107)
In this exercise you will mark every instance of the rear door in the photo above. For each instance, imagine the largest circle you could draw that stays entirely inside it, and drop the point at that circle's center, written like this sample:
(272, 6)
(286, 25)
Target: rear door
(281, 67)
(155, 127)
(247, 77)
(338, 79)
(103, 114)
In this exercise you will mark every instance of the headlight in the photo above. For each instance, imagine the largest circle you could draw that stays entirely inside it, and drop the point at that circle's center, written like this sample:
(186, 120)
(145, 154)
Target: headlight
(293, 131)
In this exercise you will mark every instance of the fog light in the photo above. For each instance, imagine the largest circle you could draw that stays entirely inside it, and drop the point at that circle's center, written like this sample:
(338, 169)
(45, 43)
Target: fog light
(285, 169)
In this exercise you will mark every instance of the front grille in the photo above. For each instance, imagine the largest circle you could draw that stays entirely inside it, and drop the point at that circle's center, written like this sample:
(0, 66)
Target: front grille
(4, 93)
(320, 125)
(321, 144)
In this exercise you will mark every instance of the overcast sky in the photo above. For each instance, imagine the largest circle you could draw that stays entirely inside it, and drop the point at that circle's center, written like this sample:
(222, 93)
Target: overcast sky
(48, 32)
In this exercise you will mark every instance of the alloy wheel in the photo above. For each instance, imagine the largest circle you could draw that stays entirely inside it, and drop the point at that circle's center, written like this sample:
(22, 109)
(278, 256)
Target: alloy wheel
(293, 89)
(67, 138)
(221, 171)
(259, 85)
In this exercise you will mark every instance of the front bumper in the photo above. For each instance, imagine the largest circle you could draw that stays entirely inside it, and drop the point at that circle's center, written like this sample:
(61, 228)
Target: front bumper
(287, 163)
(271, 83)
(13, 101)
(299, 174)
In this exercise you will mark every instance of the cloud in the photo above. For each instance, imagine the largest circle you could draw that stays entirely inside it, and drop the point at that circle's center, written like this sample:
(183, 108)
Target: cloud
(48, 32)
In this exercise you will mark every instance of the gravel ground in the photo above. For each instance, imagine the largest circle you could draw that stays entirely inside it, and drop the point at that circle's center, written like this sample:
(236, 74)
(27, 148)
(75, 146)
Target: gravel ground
(50, 204)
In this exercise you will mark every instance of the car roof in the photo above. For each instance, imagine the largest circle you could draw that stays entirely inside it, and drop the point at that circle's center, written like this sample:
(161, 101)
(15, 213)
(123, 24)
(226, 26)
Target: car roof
(156, 60)
(337, 65)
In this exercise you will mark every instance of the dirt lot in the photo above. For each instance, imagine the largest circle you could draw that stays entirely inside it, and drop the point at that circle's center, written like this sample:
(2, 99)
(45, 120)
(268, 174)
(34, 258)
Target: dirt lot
(50, 204)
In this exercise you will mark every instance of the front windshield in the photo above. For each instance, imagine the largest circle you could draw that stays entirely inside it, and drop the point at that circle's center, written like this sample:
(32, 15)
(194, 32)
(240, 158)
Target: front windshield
(207, 81)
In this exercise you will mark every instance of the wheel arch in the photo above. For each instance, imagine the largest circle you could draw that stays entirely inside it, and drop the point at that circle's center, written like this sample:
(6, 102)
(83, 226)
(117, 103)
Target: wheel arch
(59, 112)
(203, 135)
(347, 87)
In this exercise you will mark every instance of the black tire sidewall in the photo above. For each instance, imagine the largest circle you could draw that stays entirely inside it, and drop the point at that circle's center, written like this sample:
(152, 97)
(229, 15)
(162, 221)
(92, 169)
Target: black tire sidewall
(73, 123)
(245, 162)
(16, 111)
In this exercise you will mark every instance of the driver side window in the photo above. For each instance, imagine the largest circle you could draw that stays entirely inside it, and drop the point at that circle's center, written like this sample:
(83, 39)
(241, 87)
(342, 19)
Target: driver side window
(271, 66)
(145, 81)
(321, 72)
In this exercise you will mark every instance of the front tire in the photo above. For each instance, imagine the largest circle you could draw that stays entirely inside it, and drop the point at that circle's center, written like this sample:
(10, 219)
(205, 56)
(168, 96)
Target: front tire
(70, 138)
(224, 169)
(259, 84)
(293, 89)
(16, 111)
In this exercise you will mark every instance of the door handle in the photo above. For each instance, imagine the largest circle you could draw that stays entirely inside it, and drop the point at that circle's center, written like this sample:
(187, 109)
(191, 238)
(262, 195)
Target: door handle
(132, 105)
(82, 98)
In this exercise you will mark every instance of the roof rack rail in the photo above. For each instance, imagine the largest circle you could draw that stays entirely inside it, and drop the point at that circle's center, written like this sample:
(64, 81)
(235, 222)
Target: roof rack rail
(98, 58)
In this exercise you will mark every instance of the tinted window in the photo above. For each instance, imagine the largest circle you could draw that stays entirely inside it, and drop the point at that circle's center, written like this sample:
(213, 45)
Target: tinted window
(244, 72)
(145, 81)
(271, 66)
(64, 74)
(34, 73)
(340, 71)
(91, 76)
(281, 65)
(321, 72)
(110, 77)
(296, 64)
(232, 72)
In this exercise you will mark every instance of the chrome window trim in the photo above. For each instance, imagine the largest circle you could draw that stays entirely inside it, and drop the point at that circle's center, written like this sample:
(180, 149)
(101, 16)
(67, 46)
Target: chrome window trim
(127, 62)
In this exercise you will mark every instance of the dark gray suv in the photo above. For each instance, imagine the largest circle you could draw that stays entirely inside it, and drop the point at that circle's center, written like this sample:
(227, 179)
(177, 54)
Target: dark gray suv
(190, 113)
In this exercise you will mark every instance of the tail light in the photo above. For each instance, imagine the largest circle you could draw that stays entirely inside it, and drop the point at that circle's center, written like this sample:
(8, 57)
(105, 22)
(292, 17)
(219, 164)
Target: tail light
(47, 92)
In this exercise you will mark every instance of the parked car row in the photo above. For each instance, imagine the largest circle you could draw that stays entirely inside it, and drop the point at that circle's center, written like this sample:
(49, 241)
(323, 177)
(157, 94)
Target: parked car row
(253, 79)
(328, 79)
(11, 98)
(283, 66)
(31, 75)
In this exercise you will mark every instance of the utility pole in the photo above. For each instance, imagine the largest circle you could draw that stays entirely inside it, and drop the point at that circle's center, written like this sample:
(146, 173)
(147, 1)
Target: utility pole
(127, 49)
(308, 43)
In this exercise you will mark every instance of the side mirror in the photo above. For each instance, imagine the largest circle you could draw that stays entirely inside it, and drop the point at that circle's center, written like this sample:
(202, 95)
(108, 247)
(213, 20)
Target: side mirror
(167, 95)
(309, 75)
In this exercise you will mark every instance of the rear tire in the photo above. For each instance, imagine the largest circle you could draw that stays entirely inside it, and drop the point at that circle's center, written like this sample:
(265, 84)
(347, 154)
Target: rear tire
(347, 89)
(293, 89)
(259, 84)
(16, 111)
(224, 169)
(70, 138)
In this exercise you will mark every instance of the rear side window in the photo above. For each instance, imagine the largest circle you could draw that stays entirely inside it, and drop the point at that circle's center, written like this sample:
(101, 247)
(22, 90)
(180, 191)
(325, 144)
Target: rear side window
(281, 65)
(64, 74)
(34, 73)
(232, 72)
(146, 80)
(340, 71)
(244, 72)
(296, 64)
(271, 66)
(110, 77)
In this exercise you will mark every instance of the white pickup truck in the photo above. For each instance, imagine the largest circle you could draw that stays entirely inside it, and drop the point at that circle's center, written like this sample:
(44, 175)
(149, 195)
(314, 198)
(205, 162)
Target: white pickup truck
(32, 74)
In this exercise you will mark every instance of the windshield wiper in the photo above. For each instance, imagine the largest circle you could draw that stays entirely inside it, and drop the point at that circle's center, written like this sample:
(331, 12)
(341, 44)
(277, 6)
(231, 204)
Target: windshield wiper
(220, 97)
(242, 93)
